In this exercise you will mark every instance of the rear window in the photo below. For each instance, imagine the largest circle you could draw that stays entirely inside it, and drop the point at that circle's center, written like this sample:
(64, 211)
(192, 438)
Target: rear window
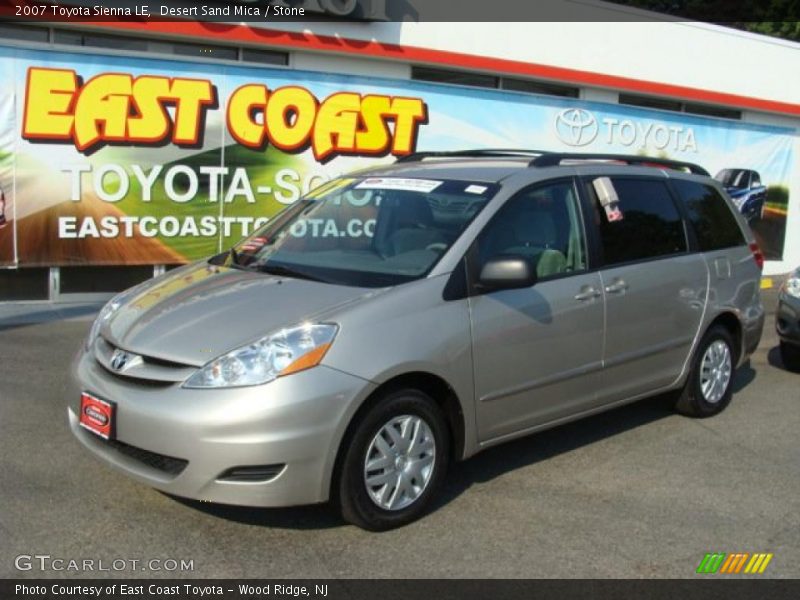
(712, 220)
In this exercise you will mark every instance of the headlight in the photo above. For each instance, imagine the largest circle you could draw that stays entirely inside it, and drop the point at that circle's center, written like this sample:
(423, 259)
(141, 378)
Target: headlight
(282, 353)
(106, 313)
(792, 285)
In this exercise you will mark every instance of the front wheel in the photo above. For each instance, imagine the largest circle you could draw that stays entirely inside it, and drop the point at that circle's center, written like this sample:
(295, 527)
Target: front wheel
(790, 355)
(709, 387)
(394, 461)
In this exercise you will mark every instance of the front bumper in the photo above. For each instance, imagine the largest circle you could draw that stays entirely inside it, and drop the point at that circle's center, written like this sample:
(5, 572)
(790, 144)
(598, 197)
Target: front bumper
(787, 318)
(181, 441)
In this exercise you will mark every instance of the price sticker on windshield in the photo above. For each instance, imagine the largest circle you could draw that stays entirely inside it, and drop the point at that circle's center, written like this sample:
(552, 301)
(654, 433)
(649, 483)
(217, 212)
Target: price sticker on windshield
(425, 186)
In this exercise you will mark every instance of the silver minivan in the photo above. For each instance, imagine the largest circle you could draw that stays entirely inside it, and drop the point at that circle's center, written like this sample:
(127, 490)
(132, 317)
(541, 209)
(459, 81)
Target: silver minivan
(400, 318)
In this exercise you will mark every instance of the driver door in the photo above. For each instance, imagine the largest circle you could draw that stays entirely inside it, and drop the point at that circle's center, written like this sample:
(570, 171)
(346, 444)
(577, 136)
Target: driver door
(537, 351)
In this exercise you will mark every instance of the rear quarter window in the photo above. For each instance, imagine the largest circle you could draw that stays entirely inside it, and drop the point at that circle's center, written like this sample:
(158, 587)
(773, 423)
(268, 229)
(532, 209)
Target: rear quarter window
(714, 224)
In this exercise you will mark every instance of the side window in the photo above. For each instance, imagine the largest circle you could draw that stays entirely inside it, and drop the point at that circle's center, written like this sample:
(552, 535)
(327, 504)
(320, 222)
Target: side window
(647, 224)
(756, 180)
(712, 220)
(541, 223)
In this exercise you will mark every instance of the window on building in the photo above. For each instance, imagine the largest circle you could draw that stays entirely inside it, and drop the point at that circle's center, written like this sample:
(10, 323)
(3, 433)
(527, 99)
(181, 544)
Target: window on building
(649, 227)
(454, 77)
(678, 106)
(81, 280)
(24, 32)
(538, 87)
(24, 284)
(485, 80)
(266, 57)
(712, 111)
(91, 40)
(204, 51)
(71, 37)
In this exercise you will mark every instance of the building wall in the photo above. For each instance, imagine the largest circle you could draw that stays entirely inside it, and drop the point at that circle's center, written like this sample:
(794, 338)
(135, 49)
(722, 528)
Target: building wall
(687, 61)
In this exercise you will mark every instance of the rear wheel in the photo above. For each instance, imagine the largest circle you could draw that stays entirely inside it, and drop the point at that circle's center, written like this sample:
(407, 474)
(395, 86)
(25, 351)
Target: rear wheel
(790, 355)
(394, 461)
(709, 388)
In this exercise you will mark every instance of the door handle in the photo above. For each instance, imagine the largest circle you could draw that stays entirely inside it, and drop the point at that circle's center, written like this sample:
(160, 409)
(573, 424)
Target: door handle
(617, 287)
(587, 293)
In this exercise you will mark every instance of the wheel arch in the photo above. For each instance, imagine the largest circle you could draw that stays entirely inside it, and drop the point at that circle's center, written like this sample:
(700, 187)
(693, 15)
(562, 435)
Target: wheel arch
(731, 322)
(434, 386)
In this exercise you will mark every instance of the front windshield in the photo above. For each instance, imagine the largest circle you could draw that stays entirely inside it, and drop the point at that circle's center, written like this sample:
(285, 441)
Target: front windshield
(735, 178)
(365, 231)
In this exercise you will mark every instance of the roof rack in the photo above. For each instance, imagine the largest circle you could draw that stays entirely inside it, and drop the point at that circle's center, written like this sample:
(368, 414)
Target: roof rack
(552, 159)
(475, 153)
(543, 158)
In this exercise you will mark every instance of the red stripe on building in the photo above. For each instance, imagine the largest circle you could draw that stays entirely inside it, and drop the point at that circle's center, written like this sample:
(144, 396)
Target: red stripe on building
(233, 32)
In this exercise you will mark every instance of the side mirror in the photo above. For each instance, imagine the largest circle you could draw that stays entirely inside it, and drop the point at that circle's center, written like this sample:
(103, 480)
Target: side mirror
(507, 273)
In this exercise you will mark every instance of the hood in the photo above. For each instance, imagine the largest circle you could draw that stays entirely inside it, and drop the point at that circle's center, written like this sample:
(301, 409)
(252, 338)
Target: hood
(199, 312)
(735, 191)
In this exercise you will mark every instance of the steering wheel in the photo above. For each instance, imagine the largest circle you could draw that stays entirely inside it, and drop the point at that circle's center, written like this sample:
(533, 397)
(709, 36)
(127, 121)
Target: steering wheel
(436, 247)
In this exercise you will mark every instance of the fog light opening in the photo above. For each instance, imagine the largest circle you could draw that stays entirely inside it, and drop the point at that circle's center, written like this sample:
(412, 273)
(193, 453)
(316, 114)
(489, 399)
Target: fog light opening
(251, 474)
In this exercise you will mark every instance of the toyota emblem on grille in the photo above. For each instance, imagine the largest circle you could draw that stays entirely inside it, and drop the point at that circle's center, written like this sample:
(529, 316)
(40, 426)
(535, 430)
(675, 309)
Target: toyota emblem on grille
(119, 359)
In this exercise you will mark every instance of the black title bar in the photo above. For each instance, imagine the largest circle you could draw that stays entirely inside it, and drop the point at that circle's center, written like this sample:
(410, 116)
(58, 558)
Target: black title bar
(701, 588)
(371, 11)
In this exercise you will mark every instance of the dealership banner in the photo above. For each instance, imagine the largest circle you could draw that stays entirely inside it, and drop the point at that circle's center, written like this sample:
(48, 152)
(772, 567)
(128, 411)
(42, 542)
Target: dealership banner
(117, 160)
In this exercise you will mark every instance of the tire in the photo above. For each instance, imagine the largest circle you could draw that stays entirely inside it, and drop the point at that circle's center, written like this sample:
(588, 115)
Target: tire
(419, 469)
(790, 355)
(709, 387)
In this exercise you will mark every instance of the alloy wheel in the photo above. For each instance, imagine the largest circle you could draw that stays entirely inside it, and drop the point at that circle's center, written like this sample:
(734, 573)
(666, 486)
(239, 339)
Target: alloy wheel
(715, 371)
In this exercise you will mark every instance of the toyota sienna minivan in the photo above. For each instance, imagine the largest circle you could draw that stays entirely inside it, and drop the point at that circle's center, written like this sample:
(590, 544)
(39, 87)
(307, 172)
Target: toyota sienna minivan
(404, 317)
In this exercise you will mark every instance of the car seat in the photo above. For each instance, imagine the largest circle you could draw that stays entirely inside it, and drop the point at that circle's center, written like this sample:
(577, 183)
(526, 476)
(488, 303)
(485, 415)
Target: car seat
(415, 227)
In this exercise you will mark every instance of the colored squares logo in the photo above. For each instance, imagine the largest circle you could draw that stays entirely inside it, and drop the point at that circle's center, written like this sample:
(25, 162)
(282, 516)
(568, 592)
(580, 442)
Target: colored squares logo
(734, 563)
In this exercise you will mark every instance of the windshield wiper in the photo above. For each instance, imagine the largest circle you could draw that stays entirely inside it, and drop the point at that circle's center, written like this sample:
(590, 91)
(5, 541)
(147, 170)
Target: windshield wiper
(273, 269)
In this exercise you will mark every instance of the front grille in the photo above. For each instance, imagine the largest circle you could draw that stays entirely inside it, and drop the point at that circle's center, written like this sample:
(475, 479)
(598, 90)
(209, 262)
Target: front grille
(169, 364)
(144, 370)
(159, 462)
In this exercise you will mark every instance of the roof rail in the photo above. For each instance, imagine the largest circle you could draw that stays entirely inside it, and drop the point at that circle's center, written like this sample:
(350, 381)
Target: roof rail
(476, 153)
(552, 159)
(543, 158)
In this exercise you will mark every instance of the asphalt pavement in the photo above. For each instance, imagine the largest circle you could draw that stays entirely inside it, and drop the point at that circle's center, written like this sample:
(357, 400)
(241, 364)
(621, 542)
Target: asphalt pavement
(635, 492)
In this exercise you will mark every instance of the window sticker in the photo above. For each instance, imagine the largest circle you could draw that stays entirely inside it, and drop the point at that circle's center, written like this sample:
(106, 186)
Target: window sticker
(475, 189)
(613, 213)
(397, 183)
(609, 200)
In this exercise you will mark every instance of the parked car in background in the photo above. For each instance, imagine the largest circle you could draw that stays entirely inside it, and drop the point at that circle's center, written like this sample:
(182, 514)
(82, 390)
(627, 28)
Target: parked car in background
(397, 319)
(746, 190)
(787, 321)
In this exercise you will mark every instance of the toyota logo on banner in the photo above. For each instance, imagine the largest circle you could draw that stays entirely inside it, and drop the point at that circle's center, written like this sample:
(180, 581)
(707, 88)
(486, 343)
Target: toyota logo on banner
(576, 127)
